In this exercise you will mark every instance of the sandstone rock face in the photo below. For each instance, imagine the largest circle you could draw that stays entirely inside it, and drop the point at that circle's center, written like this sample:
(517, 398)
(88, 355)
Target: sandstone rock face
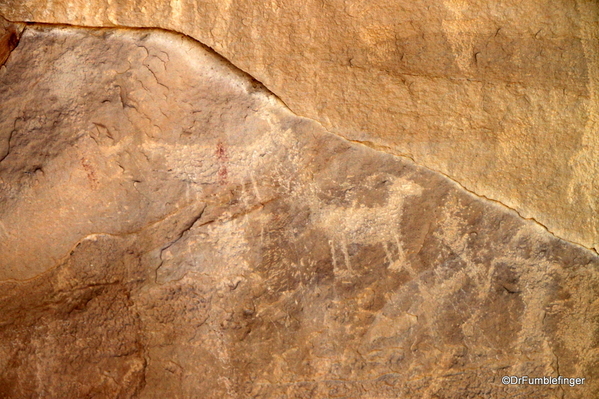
(499, 96)
(171, 230)
(9, 38)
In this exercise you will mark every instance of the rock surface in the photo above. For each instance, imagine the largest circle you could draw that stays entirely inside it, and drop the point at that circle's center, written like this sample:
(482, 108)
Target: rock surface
(9, 38)
(170, 229)
(499, 96)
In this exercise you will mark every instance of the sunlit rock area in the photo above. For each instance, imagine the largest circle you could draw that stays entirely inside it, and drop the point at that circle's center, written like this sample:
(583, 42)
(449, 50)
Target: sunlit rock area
(205, 199)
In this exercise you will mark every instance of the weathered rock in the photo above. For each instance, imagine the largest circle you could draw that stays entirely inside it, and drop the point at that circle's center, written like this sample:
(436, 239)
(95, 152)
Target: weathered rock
(499, 96)
(170, 229)
(9, 38)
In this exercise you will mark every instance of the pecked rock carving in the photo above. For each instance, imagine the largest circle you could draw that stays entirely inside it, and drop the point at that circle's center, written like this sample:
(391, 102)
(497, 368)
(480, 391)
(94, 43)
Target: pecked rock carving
(500, 97)
(170, 229)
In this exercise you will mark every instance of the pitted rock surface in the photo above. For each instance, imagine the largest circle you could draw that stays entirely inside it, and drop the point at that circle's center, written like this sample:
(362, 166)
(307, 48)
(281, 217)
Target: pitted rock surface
(170, 229)
(500, 96)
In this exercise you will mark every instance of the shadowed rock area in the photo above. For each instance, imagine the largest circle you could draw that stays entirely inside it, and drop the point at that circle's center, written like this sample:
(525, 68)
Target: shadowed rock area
(9, 38)
(169, 229)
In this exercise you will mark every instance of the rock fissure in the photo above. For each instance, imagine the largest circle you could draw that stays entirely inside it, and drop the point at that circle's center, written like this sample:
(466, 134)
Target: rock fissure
(293, 262)
(9, 38)
(369, 144)
(180, 235)
(531, 219)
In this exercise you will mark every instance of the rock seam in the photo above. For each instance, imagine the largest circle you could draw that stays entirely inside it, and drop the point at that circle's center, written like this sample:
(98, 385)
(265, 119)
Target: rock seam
(260, 85)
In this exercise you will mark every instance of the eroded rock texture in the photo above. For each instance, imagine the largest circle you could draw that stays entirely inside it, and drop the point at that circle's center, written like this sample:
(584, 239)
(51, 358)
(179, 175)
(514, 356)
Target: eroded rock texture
(9, 38)
(170, 230)
(501, 96)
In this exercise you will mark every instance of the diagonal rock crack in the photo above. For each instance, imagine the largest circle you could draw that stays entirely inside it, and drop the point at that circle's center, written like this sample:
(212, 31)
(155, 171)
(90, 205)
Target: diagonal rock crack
(259, 86)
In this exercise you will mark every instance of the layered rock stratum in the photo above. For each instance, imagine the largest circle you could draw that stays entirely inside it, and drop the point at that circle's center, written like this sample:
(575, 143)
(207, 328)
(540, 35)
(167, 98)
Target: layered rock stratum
(499, 96)
(170, 229)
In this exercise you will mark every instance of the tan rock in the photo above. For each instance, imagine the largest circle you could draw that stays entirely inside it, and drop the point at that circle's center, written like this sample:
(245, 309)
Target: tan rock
(170, 229)
(499, 96)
